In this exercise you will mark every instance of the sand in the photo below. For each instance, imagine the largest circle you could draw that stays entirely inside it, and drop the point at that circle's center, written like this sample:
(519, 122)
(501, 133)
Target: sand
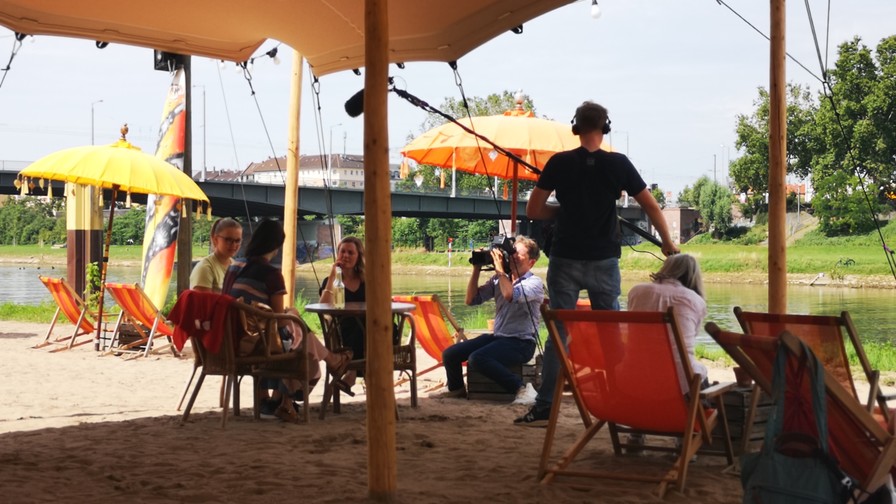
(76, 426)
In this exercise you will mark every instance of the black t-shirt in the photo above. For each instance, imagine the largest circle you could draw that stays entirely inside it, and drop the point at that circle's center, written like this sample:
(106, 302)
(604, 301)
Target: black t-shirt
(587, 185)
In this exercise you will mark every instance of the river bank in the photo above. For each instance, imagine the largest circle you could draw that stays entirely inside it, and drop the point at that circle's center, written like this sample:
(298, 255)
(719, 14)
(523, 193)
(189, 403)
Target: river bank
(462, 269)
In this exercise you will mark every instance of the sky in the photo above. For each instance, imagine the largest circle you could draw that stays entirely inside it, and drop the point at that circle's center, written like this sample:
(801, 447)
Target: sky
(673, 75)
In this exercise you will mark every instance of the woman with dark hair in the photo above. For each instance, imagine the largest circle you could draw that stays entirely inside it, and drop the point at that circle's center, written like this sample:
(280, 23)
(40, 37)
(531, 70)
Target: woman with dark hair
(350, 258)
(257, 281)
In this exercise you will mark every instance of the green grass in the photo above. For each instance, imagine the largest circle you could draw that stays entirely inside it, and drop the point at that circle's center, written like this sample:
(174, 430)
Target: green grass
(41, 313)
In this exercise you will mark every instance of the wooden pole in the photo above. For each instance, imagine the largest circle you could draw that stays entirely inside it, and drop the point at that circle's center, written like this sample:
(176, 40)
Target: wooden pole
(777, 170)
(185, 227)
(381, 458)
(291, 199)
(516, 188)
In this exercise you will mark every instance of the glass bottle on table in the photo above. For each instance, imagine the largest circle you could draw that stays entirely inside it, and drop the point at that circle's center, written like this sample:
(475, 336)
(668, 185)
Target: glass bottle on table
(338, 290)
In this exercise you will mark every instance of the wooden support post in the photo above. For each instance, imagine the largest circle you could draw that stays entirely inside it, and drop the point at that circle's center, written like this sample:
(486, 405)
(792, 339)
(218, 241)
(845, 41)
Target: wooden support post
(777, 170)
(381, 458)
(291, 199)
(185, 228)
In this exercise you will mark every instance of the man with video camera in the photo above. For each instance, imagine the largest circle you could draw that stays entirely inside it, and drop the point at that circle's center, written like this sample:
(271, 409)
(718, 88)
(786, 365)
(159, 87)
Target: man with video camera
(518, 295)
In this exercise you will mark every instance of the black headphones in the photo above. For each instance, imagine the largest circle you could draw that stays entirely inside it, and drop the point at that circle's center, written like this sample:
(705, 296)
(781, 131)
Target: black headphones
(575, 127)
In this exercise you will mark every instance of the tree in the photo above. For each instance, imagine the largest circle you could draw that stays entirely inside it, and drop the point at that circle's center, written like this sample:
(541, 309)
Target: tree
(749, 172)
(29, 220)
(658, 195)
(855, 138)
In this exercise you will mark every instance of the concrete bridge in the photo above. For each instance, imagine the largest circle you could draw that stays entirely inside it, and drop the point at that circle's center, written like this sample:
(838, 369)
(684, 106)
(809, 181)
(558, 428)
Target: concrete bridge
(266, 200)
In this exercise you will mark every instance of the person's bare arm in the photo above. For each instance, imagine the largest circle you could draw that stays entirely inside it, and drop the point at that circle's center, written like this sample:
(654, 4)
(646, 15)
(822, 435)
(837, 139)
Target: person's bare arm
(473, 285)
(655, 214)
(538, 208)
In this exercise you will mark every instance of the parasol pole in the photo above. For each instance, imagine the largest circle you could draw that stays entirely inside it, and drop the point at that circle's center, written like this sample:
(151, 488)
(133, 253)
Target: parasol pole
(291, 198)
(777, 133)
(516, 186)
(103, 266)
(382, 463)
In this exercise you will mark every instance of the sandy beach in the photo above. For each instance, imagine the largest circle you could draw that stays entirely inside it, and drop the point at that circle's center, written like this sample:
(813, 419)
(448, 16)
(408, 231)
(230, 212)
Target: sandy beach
(76, 426)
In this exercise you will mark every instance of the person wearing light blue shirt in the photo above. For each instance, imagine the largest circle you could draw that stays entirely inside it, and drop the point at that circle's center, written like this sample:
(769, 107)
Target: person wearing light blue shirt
(518, 296)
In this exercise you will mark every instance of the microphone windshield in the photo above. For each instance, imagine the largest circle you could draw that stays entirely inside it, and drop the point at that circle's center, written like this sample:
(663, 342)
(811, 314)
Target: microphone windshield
(354, 106)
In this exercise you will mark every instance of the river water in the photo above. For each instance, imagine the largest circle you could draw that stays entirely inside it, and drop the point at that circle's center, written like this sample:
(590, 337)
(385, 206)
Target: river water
(871, 309)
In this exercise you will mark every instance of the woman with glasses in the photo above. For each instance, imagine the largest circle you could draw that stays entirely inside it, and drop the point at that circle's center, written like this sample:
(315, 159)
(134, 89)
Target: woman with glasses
(208, 274)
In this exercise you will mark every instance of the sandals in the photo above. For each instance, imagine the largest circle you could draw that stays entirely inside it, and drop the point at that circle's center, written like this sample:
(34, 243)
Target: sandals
(343, 387)
(345, 358)
(287, 414)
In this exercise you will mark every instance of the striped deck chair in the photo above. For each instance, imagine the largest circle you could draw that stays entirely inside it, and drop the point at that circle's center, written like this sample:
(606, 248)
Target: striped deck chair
(862, 446)
(827, 336)
(623, 373)
(139, 312)
(69, 304)
(431, 323)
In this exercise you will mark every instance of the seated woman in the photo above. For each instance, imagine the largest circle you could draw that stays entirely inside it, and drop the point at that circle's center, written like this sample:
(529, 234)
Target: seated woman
(349, 257)
(678, 284)
(208, 274)
(258, 281)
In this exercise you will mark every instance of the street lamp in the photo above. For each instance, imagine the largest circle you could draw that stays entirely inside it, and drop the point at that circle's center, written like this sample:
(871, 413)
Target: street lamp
(330, 154)
(203, 128)
(91, 119)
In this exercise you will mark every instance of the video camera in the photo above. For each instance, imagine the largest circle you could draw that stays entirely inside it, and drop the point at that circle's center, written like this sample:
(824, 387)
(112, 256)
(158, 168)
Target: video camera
(483, 257)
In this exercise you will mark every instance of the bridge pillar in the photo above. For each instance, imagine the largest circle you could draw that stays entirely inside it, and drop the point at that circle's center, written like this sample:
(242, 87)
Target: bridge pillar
(84, 232)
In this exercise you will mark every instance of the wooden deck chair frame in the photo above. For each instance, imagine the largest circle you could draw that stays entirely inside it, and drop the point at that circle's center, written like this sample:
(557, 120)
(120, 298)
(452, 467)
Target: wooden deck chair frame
(433, 325)
(864, 448)
(141, 313)
(265, 362)
(75, 309)
(826, 336)
(581, 374)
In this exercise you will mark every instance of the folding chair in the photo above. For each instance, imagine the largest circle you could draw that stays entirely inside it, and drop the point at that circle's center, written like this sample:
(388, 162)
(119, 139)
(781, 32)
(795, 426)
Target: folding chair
(69, 304)
(435, 327)
(621, 368)
(825, 335)
(139, 312)
(864, 448)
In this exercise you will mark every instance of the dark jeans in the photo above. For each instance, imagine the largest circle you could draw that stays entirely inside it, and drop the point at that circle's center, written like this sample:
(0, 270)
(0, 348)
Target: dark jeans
(489, 355)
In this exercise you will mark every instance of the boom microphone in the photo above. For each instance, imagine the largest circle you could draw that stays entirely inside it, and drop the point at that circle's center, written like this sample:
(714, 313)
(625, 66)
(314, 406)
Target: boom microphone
(354, 106)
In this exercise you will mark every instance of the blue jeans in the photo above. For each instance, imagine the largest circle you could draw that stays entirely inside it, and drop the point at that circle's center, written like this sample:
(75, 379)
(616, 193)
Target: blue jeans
(489, 355)
(566, 278)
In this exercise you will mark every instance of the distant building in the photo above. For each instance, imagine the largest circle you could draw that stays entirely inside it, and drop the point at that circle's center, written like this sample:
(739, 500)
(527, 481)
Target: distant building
(337, 170)
(683, 223)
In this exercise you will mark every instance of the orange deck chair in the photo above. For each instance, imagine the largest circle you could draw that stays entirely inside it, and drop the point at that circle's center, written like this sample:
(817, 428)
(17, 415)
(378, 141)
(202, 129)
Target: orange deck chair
(826, 336)
(139, 311)
(436, 327)
(864, 448)
(70, 304)
(622, 370)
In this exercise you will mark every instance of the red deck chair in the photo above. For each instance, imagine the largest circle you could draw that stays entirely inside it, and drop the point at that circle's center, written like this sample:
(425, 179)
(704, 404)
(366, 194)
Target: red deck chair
(140, 312)
(69, 304)
(610, 353)
(431, 322)
(864, 449)
(826, 336)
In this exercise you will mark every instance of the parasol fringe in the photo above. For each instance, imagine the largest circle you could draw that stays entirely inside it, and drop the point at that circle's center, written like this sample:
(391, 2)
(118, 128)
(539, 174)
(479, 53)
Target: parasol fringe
(127, 200)
(40, 183)
(198, 209)
(49, 190)
(208, 212)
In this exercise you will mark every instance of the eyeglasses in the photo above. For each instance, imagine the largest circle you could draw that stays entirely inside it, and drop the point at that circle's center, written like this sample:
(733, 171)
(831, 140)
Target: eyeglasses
(231, 241)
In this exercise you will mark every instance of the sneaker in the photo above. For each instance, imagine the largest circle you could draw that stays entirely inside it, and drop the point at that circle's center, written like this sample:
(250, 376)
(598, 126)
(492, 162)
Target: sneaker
(268, 409)
(534, 418)
(460, 393)
(525, 395)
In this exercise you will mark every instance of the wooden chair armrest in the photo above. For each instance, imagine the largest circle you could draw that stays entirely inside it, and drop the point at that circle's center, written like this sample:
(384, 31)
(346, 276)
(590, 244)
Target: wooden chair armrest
(717, 389)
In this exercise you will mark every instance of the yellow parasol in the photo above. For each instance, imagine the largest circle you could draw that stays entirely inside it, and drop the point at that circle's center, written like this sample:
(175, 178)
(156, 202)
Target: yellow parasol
(119, 167)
